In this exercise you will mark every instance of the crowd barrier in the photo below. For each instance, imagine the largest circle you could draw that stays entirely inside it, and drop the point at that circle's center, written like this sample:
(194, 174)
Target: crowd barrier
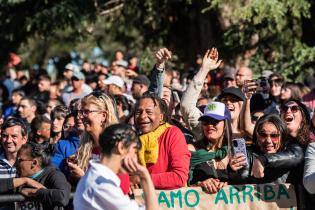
(231, 197)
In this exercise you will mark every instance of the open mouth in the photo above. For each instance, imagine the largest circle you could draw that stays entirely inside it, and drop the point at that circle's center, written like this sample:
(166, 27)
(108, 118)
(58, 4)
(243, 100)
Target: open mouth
(288, 119)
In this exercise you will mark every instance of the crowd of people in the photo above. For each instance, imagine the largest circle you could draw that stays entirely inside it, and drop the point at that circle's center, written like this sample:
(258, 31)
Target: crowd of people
(102, 131)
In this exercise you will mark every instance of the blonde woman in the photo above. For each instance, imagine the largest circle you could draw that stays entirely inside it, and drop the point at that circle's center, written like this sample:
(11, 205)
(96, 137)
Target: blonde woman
(97, 112)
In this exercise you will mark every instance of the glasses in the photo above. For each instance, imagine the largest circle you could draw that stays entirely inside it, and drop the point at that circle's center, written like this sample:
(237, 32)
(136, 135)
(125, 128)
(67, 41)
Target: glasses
(293, 108)
(86, 112)
(272, 136)
(19, 160)
(210, 122)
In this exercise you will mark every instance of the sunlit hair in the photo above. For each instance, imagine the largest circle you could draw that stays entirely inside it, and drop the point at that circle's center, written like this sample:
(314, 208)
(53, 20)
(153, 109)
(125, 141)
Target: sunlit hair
(277, 122)
(104, 103)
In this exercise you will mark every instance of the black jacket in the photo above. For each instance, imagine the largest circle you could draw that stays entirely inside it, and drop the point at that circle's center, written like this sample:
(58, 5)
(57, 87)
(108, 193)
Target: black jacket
(281, 167)
(58, 189)
(55, 196)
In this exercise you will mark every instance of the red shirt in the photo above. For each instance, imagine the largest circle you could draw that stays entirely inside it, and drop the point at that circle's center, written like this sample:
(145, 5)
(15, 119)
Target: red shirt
(172, 166)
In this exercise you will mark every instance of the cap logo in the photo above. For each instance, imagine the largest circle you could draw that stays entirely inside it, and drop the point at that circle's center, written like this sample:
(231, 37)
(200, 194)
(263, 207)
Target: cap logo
(212, 107)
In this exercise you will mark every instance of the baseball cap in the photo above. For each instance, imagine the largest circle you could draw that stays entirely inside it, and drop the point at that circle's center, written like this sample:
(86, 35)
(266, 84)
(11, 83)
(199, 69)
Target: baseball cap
(142, 79)
(72, 67)
(114, 80)
(215, 110)
(237, 92)
(79, 75)
(229, 72)
(122, 63)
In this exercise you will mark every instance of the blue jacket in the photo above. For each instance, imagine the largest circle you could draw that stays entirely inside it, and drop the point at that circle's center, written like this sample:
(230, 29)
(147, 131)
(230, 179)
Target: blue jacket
(64, 149)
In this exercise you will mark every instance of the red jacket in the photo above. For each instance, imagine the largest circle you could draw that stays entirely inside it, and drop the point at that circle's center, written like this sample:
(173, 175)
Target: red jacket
(172, 166)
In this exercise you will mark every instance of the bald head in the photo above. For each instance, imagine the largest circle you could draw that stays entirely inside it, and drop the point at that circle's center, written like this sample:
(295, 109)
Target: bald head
(243, 73)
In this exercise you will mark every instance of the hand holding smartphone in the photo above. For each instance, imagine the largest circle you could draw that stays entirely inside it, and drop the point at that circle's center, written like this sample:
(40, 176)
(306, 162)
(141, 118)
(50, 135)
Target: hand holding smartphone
(239, 158)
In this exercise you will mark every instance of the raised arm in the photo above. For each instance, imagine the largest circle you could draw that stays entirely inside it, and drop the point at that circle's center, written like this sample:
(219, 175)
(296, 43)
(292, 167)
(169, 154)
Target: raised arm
(188, 103)
(309, 169)
(246, 121)
(157, 73)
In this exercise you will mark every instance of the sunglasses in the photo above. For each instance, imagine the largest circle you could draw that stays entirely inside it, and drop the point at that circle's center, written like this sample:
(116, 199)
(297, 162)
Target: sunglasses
(272, 136)
(210, 122)
(293, 108)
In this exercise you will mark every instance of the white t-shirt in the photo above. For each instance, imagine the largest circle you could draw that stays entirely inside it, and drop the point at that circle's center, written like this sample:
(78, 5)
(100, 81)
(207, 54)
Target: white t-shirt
(99, 189)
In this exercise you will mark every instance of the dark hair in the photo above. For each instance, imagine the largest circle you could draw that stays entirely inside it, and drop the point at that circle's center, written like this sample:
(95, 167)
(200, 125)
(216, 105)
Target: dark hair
(276, 121)
(19, 91)
(31, 101)
(37, 123)
(123, 100)
(59, 111)
(13, 121)
(204, 142)
(44, 77)
(38, 151)
(117, 133)
(303, 136)
(157, 101)
(296, 93)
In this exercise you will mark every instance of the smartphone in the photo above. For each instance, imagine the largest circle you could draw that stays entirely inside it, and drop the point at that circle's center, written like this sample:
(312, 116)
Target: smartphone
(239, 147)
(249, 85)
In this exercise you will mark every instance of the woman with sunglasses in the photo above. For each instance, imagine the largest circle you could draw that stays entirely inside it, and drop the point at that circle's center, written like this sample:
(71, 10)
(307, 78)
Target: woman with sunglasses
(53, 190)
(300, 133)
(269, 139)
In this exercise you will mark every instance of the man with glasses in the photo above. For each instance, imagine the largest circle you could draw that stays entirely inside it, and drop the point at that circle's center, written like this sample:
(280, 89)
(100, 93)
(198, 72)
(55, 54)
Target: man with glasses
(13, 135)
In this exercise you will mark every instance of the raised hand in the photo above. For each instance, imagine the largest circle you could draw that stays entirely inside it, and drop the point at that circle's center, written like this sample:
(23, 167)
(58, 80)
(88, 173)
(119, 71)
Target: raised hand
(161, 56)
(211, 60)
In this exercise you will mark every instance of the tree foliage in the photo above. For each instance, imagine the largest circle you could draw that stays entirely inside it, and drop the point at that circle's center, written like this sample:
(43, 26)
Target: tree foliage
(270, 34)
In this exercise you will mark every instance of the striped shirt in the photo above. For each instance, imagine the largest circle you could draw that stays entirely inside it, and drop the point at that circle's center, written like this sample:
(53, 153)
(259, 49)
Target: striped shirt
(6, 170)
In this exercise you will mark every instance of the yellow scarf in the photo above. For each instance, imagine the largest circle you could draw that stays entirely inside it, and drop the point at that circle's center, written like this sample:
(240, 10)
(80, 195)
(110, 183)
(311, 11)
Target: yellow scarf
(149, 151)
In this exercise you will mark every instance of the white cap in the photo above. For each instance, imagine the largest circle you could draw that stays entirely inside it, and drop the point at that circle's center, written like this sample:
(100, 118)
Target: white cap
(114, 80)
(72, 67)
